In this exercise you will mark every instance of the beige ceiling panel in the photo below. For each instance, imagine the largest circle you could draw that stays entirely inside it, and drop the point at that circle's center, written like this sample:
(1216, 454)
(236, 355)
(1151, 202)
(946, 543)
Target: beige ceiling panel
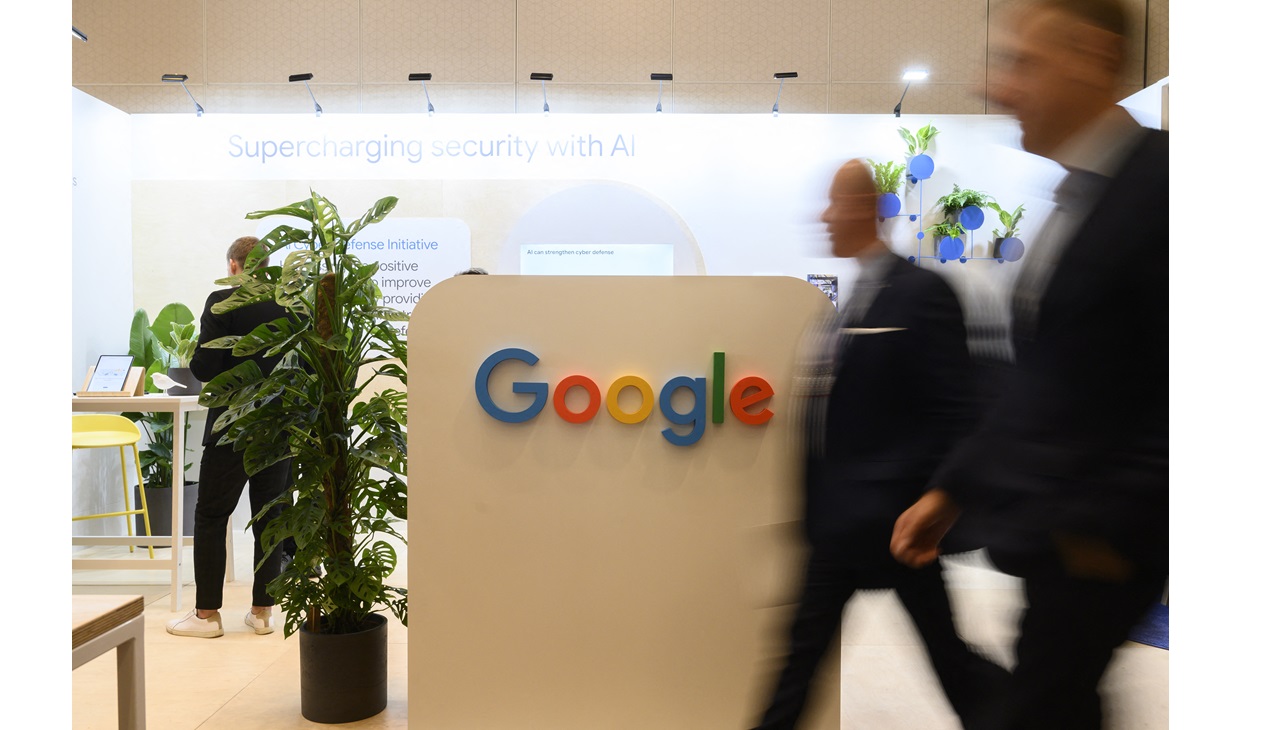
(876, 40)
(135, 41)
(595, 98)
(796, 98)
(457, 41)
(250, 41)
(732, 41)
(923, 98)
(446, 98)
(618, 41)
(1157, 41)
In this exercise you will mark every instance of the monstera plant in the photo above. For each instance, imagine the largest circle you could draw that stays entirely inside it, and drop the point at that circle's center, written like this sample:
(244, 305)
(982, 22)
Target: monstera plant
(347, 443)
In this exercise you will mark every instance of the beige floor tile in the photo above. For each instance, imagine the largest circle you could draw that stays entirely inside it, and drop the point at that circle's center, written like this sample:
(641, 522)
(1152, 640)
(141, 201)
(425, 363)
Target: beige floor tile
(242, 681)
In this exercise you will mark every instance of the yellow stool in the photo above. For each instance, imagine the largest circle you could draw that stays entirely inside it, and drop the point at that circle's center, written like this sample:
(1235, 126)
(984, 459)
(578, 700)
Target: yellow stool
(98, 431)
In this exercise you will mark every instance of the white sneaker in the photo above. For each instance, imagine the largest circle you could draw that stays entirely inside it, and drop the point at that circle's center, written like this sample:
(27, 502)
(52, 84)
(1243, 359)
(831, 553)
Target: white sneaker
(261, 623)
(192, 625)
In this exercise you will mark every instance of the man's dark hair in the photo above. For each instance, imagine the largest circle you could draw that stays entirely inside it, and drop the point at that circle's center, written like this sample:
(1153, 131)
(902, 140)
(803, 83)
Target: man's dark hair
(475, 270)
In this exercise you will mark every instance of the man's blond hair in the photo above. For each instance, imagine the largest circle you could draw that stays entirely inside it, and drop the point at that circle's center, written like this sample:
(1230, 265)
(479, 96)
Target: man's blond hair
(240, 248)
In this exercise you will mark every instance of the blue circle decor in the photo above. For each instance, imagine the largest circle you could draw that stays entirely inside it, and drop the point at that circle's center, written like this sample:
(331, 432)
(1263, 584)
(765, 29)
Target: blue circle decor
(888, 205)
(950, 247)
(1011, 249)
(921, 167)
(971, 217)
(920, 236)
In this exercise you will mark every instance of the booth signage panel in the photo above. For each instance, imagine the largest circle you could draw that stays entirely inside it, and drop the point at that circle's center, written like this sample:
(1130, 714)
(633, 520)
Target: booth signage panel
(584, 573)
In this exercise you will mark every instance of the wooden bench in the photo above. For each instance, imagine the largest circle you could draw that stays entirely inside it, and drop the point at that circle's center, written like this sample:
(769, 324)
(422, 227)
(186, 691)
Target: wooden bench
(102, 623)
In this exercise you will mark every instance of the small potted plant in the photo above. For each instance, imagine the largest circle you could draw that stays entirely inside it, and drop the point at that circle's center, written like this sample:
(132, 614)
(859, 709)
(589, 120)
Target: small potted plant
(919, 164)
(1005, 241)
(888, 176)
(964, 206)
(181, 346)
(948, 239)
(146, 344)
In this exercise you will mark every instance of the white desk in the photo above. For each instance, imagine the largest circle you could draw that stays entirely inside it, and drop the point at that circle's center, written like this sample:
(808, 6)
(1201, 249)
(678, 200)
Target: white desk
(178, 405)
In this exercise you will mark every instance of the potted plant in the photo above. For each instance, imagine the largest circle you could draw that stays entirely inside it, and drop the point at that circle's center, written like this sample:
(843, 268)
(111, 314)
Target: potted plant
(888, 178)
(964, 206)
(156, 458)
(948, 239)
(181, 346)
(348, 447)
(1009, 220)
(919, 164)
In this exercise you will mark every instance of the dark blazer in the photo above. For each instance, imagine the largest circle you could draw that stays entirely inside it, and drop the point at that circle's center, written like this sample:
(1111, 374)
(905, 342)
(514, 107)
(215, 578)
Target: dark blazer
(899, 401)
(208, 363)
(1077, 439)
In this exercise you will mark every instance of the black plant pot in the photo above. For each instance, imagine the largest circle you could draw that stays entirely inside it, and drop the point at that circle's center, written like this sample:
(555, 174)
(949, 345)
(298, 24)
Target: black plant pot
(184, 376)
(344, 676)
(160, 510)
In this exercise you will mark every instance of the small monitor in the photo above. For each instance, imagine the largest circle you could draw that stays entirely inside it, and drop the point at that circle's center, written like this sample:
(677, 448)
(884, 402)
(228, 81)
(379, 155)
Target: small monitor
(110, 374)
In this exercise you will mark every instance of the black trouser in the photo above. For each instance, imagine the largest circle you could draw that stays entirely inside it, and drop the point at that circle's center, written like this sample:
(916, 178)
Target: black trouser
(1070, 629)
(973, 684)
(222, 480)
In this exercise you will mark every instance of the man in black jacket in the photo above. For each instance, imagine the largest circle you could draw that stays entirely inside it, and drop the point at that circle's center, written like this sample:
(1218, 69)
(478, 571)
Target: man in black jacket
(886, 395)
(222, 473)
(1067, 477)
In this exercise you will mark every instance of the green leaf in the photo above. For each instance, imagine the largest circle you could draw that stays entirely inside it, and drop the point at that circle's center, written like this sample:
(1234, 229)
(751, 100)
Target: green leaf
(220, 390)
(375, 214)
(264, 336)
(301, 209)
(249, 292)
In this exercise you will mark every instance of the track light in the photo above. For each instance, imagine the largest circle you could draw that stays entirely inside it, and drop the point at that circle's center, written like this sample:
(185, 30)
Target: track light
(909, 76)
(182, 79)
(424, 78)
(304, 78)
(660, 78)
(782, 76)
(544, 78)
(75, 33)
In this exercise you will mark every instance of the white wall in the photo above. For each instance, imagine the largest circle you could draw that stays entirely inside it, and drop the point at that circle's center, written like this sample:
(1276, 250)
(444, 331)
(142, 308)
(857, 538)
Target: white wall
(101, 284)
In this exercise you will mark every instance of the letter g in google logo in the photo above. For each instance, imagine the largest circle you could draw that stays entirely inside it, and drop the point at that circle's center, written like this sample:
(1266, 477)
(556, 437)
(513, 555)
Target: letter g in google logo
(746, 393)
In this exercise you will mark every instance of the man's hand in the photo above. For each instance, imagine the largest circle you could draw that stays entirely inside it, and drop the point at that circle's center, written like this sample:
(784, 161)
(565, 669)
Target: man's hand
(918, 531)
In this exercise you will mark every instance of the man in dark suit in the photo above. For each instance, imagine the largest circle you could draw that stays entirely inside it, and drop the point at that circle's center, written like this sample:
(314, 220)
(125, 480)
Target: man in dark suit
(222, 473)
(886, 396)
(1067, 477)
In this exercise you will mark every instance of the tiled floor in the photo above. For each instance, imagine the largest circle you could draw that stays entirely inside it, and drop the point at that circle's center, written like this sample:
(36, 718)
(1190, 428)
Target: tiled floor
(242, 681)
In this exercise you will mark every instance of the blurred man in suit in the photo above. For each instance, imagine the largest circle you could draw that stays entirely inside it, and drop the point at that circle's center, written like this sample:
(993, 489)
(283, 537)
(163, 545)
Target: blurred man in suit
(886, 397)
(222, 473)
(1067, 477)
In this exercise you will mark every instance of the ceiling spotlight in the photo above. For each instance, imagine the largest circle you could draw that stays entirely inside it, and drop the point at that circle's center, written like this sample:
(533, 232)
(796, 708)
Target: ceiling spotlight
(424, 78)
(304, 78)
(75, 33)
(660, 78)
(182, 79)
(908, 76)
(544, 78)
(782, 76)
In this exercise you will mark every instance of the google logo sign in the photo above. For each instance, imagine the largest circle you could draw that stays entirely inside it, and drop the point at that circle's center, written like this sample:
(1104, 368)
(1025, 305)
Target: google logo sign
(746, 398)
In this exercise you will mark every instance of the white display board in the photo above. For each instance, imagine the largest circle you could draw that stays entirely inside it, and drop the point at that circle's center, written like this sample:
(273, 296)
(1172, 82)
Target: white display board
(729, 194)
